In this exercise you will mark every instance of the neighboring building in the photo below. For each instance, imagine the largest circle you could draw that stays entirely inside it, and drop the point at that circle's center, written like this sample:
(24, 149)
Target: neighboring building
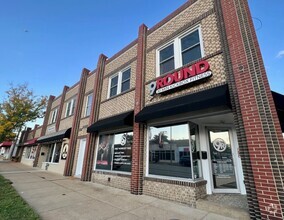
(5, 149)
(28, 145)
(183, 111)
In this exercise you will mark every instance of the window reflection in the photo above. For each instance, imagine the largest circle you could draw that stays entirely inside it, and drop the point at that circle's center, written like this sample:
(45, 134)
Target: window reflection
(173, 151)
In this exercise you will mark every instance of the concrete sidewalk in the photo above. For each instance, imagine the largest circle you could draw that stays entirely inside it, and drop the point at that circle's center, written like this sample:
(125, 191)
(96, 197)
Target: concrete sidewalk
(57, 197)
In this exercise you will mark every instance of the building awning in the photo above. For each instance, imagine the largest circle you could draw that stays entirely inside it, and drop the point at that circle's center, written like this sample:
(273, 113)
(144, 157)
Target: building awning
(279, 105)
(211, 98)
(124, 119)
(55, 136)
(30, 142)
(6, 144)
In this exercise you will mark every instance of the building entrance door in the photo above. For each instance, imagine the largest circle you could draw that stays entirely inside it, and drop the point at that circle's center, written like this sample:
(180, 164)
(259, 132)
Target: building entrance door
(223, 159)
(80, 158)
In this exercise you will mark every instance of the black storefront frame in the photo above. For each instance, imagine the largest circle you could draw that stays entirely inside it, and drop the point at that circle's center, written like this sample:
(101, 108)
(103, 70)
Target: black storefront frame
(111, 132)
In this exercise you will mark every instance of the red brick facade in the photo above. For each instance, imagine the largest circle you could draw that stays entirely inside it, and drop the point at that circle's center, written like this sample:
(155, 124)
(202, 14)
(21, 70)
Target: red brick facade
(260, 122)
(230, 45)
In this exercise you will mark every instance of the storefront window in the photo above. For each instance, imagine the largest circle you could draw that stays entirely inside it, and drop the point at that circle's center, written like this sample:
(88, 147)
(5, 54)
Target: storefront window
(30, 152)
(53, 154)
(114, 152)
(174, 151)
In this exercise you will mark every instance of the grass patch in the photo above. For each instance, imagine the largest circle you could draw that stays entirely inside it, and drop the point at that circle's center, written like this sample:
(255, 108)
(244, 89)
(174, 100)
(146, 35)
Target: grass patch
(12, 206)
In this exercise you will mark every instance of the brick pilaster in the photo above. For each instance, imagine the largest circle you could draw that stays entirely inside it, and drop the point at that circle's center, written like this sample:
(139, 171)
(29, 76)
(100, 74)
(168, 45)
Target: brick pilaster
(138, 129)
(76, 124)
(58, 118)
(44, 126)
(34, 130)
(88, 163)
(258, 127)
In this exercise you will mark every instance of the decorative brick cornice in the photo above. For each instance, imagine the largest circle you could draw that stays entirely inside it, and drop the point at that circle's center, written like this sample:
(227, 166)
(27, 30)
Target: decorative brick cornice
(171, 16)
(180, 30)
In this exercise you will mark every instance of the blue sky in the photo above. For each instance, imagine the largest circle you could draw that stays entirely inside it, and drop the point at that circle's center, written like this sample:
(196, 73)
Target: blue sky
(46, 43)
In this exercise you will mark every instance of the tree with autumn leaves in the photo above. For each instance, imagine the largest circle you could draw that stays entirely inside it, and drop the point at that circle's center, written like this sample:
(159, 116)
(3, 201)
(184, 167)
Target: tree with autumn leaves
(19, 107)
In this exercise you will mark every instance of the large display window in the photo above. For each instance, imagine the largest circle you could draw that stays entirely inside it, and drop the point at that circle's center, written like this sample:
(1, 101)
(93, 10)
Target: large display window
(174, 151)
(114, 152)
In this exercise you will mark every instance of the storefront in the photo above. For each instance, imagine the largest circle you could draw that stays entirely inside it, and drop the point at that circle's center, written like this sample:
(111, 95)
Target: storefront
(53, 151)
(29, 152)
(113, 155)
(5, 149)
(183, 111)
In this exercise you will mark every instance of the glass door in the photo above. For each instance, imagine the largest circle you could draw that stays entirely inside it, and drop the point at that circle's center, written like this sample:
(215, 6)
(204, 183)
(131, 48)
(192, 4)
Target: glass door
(222, 160)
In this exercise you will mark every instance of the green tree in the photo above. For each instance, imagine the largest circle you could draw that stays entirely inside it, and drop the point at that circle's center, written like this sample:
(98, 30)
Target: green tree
(20, 106)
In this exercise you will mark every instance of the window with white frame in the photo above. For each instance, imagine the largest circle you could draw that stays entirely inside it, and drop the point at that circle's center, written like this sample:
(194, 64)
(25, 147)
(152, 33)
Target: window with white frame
(88, 105)
(70, 107)
(53, 154)
(119, 82)
(180, 51)
(53, 116)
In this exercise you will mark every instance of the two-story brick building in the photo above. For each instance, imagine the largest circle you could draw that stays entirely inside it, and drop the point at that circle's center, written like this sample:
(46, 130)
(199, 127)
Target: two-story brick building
(183, 111)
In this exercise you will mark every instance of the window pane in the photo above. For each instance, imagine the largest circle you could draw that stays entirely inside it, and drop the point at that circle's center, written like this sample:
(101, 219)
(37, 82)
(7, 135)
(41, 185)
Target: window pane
(125, 85)
(169, 151)
(126, 75)
(190, 40)
(32, 153)
(104, 155)
(166, 53)
(191, 55)
(167, 66)
(195, 149)
(122, 152)
(56, 155)
(27, 152)
(114, 81)
(68, 108)
(88, 105)
(113, 91)
(73, 107)
(50, 153)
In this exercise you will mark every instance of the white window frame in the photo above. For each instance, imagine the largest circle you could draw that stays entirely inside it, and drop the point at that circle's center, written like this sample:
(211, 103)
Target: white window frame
(88, 107)
(70, 111)
(53, 116)
(177, 49)
(119, 81)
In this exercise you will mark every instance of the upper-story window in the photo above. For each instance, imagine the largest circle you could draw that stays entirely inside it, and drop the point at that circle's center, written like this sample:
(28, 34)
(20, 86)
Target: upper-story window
(88, 105)
(53, 116)
(70, 107)
(180, 51)
(119, 82)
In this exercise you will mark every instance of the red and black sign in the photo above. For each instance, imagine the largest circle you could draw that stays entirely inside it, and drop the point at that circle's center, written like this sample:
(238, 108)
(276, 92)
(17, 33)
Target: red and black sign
(196, 72)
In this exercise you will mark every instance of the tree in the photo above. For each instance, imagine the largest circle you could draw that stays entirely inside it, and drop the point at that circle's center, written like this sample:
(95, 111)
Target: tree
(20, 106)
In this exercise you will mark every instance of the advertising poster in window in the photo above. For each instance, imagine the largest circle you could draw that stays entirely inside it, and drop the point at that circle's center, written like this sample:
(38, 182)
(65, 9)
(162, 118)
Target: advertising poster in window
(104, 155)
(122, 152)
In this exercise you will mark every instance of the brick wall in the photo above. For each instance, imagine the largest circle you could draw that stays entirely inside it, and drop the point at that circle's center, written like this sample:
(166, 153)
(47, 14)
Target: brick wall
(121, 181)
(258, 128)
(200, 13)
(182, 192)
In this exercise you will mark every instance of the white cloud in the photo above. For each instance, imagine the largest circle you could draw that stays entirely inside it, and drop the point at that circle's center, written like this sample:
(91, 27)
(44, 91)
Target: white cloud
(280, 54)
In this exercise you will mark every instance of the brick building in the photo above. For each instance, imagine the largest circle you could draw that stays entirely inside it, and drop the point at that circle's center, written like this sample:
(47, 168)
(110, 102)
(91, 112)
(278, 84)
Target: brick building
(183, 111)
